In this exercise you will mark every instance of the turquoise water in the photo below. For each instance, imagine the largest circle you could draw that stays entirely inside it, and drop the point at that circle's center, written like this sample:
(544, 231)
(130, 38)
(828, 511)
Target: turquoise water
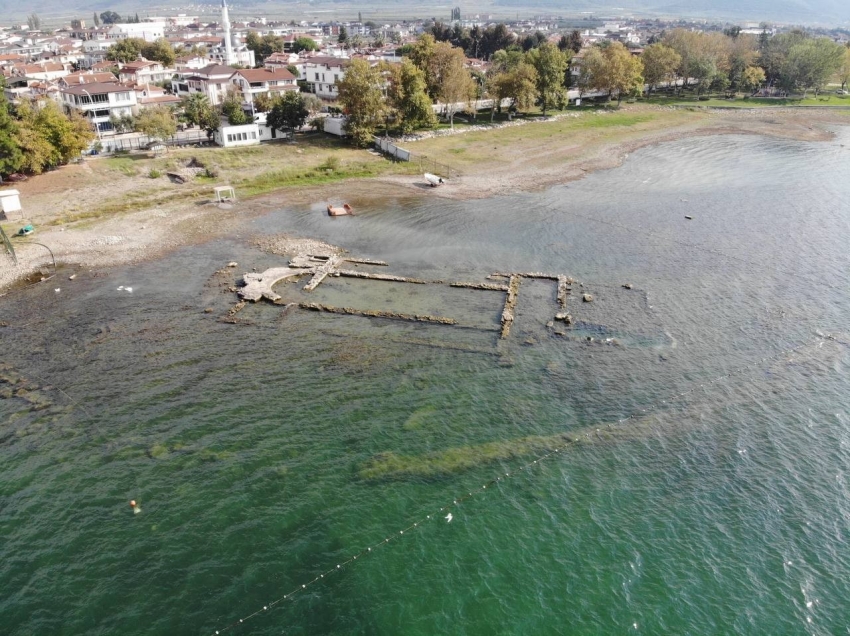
(723, 511)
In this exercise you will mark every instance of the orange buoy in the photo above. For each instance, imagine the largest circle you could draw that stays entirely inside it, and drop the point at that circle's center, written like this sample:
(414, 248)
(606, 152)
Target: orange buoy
(132, 503)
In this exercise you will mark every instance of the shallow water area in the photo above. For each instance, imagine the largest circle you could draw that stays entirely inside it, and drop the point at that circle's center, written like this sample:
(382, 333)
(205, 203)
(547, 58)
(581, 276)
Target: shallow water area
(719, 504)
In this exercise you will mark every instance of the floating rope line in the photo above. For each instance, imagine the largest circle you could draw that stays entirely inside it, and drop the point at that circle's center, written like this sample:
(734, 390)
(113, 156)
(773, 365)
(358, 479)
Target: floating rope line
(446, 509)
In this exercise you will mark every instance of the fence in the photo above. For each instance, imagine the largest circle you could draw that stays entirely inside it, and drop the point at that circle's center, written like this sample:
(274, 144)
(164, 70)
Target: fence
(426, 164)
(142, 142)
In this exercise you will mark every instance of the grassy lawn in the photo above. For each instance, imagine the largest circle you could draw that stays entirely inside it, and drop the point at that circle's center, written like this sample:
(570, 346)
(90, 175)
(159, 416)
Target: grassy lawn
(313, 160)
(545, 140)
(825, 99)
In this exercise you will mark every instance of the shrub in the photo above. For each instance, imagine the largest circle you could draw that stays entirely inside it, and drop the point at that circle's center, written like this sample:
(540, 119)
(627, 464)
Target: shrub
(211, 173)
(154, 173)
(330, 164)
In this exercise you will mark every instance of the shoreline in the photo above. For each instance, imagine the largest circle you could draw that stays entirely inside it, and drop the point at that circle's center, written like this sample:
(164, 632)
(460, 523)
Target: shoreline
(150, 232)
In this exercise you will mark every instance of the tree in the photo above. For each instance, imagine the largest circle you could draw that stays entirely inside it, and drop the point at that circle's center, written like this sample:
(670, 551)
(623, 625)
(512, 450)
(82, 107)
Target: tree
(343, 35)
(304, 44)
(616, 70)
(551, 65)
(110, 17)
(422, 55)
(361, 97)
(157, 122)
(96, 19)
(659, 64)
(408, 97)
(288, 112)
(519, 84)
(752, 79)
(196, 107)
(844, 71)
(33, 22)
(356, 42)
(10, 153)
(126, 50)
(159, 51)
(122, 124)
(264, 45)
(47, 136)
(231, 107)
(575, 41)
(813, 61)
(263, 103)
(449, 78)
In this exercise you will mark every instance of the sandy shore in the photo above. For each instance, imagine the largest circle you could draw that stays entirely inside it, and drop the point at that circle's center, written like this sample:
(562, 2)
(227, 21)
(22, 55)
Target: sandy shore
(135, 235)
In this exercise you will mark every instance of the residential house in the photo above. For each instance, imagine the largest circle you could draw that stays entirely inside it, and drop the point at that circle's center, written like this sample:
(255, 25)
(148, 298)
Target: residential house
(98, 102)
(145, 72)
(280, 60)
(148, 31)
(213, 81)
(322, 75)
(260, 81)
(79, 79)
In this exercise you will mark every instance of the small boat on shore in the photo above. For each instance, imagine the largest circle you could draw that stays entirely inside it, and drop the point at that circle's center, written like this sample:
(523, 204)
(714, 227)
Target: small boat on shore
(337, 211)
(434, 180)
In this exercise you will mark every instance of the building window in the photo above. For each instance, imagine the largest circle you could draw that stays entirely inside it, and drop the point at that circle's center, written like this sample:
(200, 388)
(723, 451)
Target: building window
(230, 138)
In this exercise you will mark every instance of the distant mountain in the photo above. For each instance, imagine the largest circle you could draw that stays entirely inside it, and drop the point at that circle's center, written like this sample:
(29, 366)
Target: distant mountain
(836, 12)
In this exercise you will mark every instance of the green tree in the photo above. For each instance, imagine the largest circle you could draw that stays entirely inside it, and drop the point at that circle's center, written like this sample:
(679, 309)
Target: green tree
(343, 35)
(408, 97)
(812, 62)
(231, 107)
(362, 100)
(844, 71)
(48, 137)
(110, 17)
(264, 45)
(616, 70)
(304, 44)
(752, 79)
(263, 102)
(156, 122)
(33, 22)
(159, 51)
(422, 55)
(452, 81)
(126, 50)
(551, 66)
(575, 41)
(288, 112)
(96, 20)
(659, 64)
(518, 84)
(195, 108)
(10, 154)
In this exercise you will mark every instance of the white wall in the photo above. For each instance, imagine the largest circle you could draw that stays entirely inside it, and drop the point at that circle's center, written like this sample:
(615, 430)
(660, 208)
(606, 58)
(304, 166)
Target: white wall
(232, 136)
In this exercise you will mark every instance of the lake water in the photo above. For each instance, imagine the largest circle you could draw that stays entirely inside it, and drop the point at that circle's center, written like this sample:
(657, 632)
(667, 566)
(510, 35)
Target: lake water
(725, 510)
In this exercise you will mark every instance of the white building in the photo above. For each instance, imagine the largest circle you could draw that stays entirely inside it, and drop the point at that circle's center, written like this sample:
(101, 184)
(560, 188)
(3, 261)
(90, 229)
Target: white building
(260, 81)
(322, 75)
(244, 135)
(145, 72)
(213, 81)
(148, 31)
(98, 102)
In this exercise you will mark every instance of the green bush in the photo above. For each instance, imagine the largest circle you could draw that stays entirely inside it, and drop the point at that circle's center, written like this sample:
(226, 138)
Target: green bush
(154, 173)
(330, 164)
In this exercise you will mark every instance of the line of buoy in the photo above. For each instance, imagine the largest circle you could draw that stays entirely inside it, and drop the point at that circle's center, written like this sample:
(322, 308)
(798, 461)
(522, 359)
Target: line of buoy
(446, 510)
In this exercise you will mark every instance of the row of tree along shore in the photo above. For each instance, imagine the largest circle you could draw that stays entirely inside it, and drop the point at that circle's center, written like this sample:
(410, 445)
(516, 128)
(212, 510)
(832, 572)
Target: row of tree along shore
(435, 69)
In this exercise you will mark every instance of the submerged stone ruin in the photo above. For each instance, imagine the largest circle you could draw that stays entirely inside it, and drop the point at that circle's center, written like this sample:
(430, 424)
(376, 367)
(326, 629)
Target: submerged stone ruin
(260, 285)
